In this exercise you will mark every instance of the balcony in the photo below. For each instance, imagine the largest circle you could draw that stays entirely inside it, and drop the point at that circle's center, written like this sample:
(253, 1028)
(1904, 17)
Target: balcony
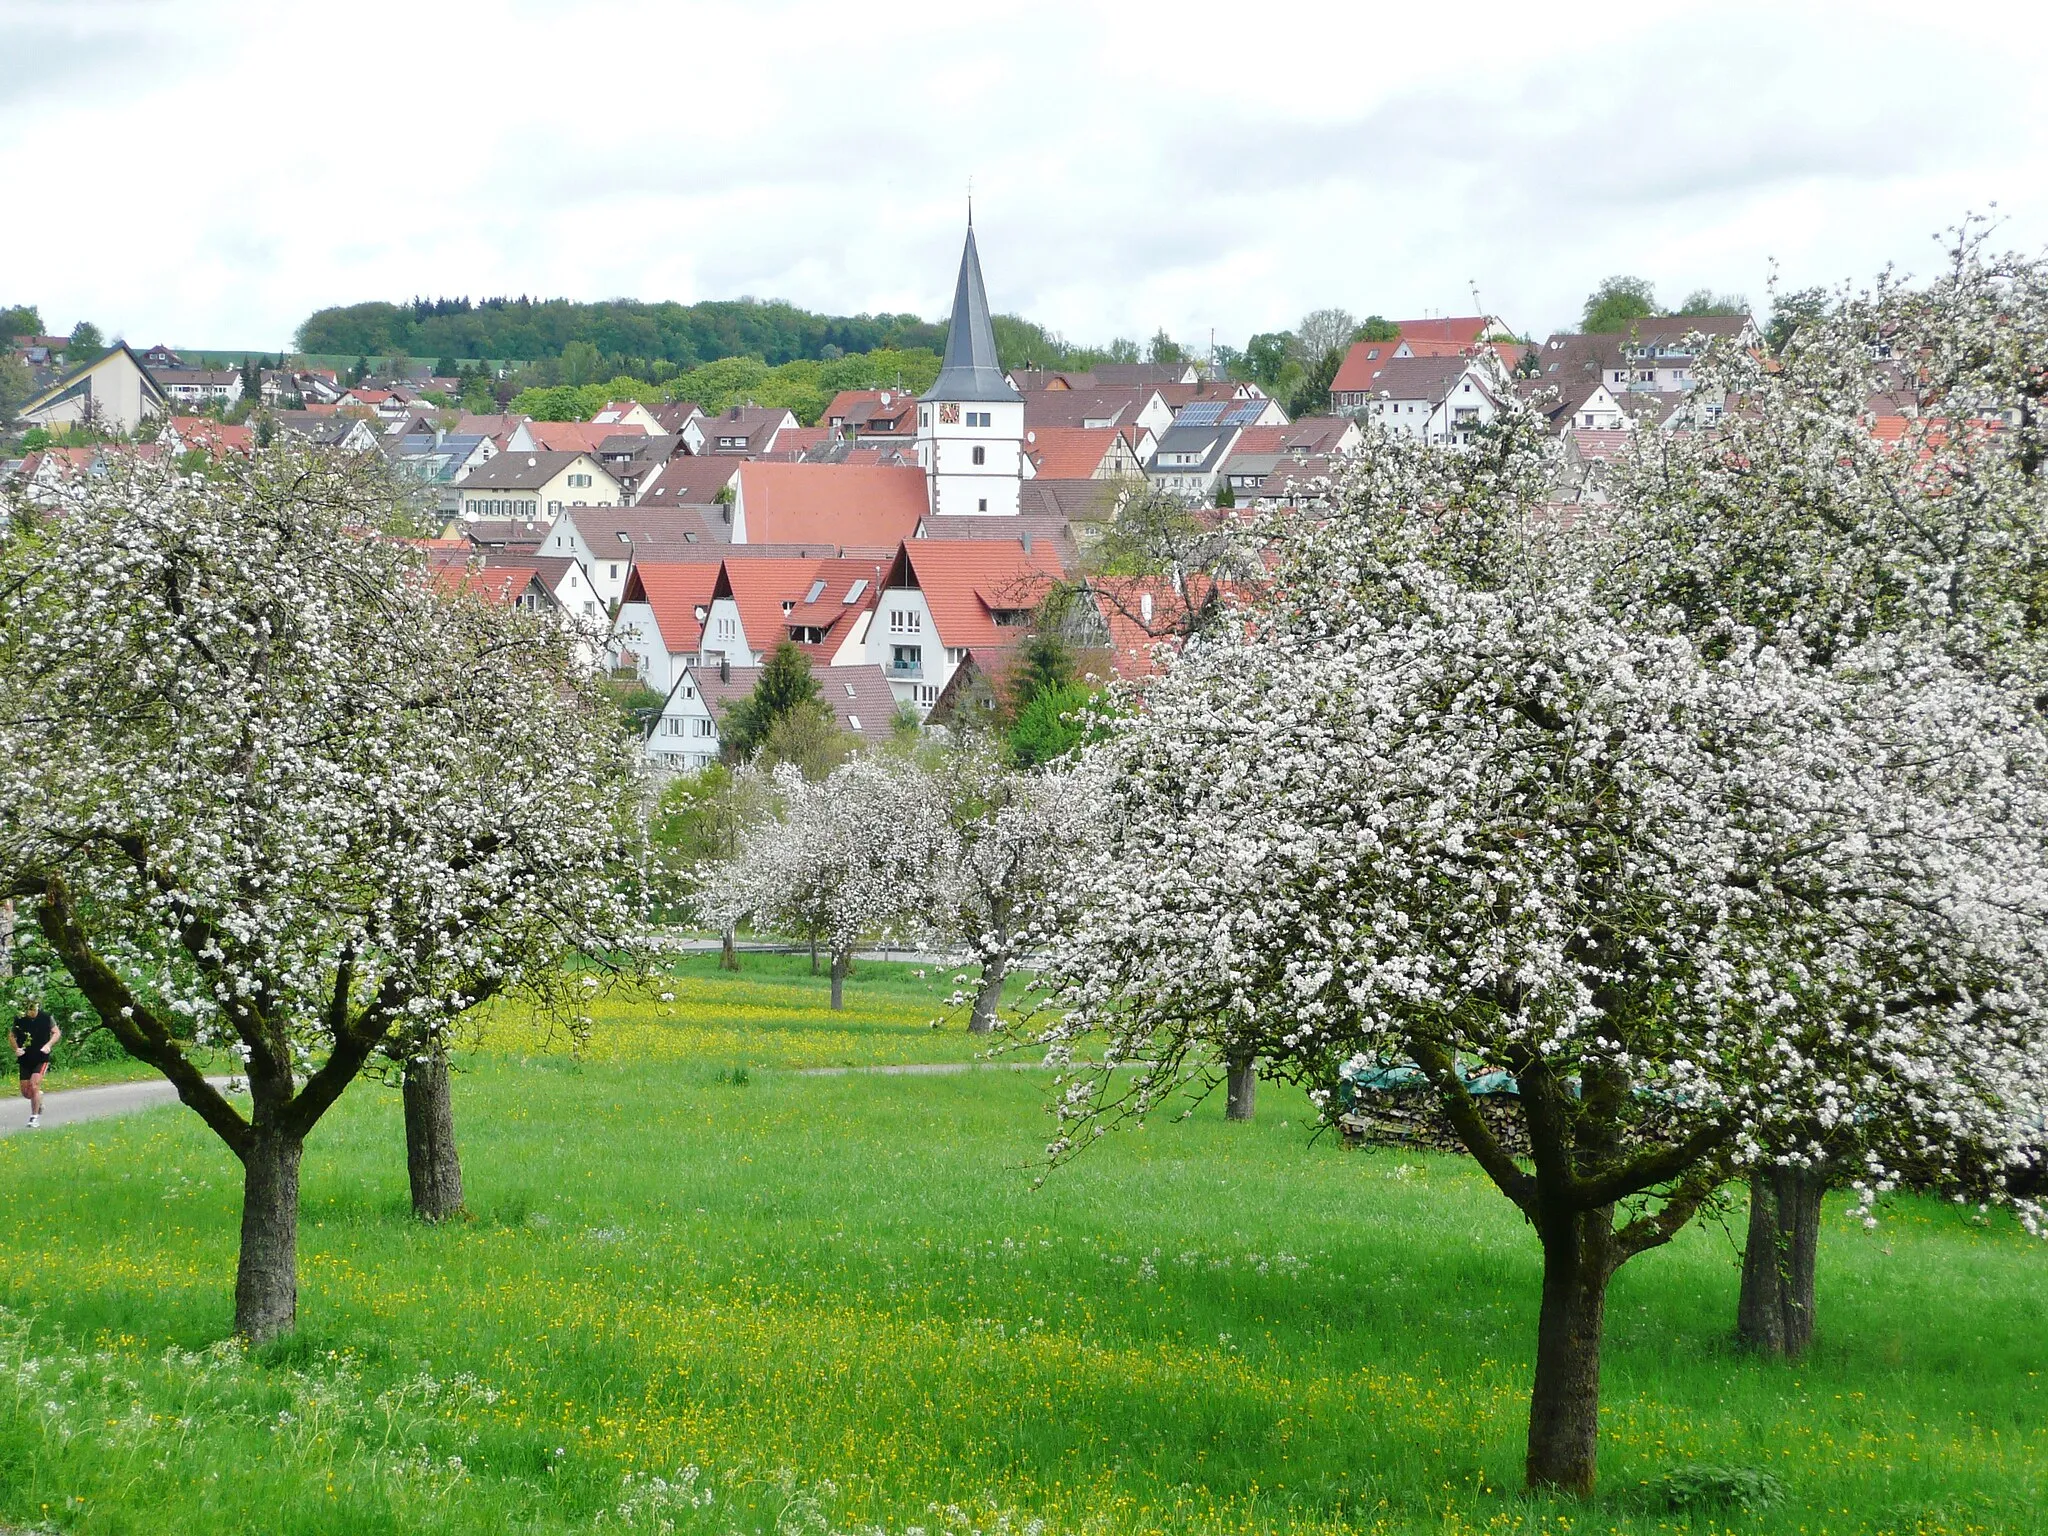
(904, 671)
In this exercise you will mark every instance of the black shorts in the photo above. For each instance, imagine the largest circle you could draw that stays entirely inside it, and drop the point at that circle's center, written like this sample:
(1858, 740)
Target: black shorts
(32, 1063)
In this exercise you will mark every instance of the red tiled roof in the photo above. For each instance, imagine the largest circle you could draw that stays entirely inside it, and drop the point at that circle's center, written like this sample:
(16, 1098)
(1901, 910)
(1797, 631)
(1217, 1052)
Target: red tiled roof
(675, 590)
(1465, 330)
(963, 580)
(866, 506)
(1361, 365)
(578, 436)
(500, 584)
(761, 588)
(1070, 453)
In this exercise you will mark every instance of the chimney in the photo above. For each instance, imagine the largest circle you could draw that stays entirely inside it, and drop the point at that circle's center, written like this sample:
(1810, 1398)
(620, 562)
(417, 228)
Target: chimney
(1027, 543)
(724, 667)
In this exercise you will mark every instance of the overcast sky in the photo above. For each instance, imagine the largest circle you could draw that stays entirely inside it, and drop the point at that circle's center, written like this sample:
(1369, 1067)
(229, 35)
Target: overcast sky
(208, 172)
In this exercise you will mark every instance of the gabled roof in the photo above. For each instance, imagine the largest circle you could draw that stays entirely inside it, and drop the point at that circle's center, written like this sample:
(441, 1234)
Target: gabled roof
(1427, 379)
(500, 584)
(74, 376)
(861, 506)
(970, 370)
(1070, 453)
(531, 471)
(1058, 501)
(860, 698)
(682, 480)
(965, 582)
(577, 436)
(1361, 365)
(1078, 407)
(675, 591)
(1463, 330)
(889, 411)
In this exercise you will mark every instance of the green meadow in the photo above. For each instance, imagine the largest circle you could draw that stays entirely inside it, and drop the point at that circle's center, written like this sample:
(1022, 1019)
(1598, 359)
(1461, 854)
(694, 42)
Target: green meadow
(706, 1288)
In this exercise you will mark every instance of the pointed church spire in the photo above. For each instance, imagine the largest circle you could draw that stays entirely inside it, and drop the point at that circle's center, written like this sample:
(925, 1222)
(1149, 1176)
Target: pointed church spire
(970, 370)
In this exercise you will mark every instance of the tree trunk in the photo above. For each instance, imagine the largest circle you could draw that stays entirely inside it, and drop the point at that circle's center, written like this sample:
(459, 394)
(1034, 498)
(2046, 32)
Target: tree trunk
(840, 963)
(6, 938)
(982, 1020)
(814, 954)
(1241, 1090)
(728, 952)
(1775, 1313)
(267, 1274)
(431, 1159)
(1564, 1404)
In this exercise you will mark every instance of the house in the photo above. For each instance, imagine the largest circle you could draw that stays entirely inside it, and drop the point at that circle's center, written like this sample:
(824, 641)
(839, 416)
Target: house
(182, 434)
(685, 736)
(1435, 399)
(941, 598)
(660, 625)
(113, 392)
(509, 586)
(683, 480)
(864, 413)
(535, 485)
(627, 414)
(1144, 408)
(439, 460)
(1087, 453)
(328, 429)
(1105, 376)
(744, 431)
(159, 357)
(861, 506)
(634, 457)
(819, 605)
(1189, 458)
(200, 386)
(1657, 354)
(1357, 376)
(684, 419)
(563, 436)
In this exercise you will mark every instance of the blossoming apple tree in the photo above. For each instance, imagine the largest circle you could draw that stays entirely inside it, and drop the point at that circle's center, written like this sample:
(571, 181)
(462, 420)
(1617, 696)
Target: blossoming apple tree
(855, 856)
(1438, 800)
(263, 787)
(1881, 476)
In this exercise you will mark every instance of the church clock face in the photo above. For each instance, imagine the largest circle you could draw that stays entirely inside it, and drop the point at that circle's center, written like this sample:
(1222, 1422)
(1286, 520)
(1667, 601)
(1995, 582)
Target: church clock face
(949, 415)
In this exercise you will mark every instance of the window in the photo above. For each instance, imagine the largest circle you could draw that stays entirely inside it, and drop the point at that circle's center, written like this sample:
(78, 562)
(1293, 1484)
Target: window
(905, 621)
(978, 418)
(579, 480)
(926, 694)
(854, 721)
(955, 654)
(728, 629)
(614, 573)
(703, 727)
(981, 505)
(980, 454)
(853, 592)
(906, 659)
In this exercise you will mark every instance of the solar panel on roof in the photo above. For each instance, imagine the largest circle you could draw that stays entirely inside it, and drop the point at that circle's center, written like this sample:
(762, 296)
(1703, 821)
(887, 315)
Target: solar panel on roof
(1200, 413)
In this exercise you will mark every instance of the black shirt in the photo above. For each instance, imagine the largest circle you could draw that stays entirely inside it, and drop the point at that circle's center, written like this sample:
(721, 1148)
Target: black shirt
(32, 1033)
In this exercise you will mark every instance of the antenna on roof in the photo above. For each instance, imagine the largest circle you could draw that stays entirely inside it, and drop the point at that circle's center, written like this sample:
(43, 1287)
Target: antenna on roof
(1477, 308)
(970, 200)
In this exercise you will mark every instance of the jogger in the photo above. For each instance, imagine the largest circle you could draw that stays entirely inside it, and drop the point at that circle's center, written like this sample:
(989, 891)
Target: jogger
(35, 1034)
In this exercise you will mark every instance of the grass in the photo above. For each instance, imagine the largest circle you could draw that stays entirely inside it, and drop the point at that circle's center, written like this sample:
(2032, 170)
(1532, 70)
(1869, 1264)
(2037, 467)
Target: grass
(842, 1300)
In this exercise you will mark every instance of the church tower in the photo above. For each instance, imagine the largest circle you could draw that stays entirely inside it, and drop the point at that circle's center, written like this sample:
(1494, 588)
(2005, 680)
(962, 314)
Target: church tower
(970, 423)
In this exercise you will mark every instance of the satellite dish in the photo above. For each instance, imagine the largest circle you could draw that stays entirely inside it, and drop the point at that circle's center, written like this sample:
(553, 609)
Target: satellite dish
(1030, 437)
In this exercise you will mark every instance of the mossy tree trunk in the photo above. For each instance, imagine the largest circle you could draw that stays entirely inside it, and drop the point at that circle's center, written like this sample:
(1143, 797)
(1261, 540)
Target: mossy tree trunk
(1774, 1315)
(432, 1162)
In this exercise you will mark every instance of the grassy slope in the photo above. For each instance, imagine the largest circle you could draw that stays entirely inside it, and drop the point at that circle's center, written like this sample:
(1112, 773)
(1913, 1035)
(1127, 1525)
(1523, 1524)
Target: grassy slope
(1198, 1327)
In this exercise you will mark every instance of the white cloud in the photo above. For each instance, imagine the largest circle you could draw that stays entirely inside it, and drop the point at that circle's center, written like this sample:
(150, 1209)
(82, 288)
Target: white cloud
(210, 171)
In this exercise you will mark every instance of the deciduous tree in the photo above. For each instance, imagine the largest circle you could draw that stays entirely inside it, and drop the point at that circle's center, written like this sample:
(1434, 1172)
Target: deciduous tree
(263, 786)
(1438, 800)
(854, 857)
